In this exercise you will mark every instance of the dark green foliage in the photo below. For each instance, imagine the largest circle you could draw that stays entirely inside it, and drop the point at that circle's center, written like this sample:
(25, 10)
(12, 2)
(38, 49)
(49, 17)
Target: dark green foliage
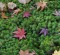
(43, 45)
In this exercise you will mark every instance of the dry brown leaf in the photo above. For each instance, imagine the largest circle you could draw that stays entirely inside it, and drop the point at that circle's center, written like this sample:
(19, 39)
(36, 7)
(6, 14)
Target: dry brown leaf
(41, 5)
(32, 8)
(24, 1)
(26, 52)
(16, 12)
(11, 5)
(2, 6)
(56, 52)
(4, 16)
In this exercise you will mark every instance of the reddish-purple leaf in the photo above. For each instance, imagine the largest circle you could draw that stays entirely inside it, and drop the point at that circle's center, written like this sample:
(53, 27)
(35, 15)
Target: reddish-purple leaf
(44, 31)
(26, 14)
(20, 33)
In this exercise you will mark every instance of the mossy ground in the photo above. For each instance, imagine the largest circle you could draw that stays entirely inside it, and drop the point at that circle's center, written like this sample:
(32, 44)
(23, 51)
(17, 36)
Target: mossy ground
(43, 45)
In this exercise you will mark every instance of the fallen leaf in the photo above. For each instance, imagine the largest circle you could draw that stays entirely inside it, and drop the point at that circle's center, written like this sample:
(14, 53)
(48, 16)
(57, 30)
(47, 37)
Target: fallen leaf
(26, 52)
(26, 14)
(2, 6)
(16, 12)
(20, 33)
(57, 13)
(11, 5)
(32, 8)
(44, 31)
(41, 5)
(56, 52)
(24, 1)
(4, 16)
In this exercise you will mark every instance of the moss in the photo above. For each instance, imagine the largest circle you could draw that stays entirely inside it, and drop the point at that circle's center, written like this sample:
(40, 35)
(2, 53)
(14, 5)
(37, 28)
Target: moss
(43, 45)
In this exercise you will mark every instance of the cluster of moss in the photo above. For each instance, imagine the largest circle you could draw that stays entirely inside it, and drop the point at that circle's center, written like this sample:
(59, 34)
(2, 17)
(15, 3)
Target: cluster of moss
(43, 45)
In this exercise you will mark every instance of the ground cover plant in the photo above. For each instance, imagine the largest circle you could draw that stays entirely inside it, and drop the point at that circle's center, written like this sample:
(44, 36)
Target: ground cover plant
(30, 28)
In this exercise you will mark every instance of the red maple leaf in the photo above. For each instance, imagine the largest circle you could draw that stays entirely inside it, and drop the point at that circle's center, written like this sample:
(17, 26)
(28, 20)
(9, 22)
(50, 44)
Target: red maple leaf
(26, 14)
(20, 33)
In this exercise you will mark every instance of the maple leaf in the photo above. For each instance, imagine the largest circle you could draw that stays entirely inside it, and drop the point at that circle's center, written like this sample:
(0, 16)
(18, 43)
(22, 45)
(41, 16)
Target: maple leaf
(2, 6)
(56, 52)
(44, 31)
(26, 52)
(24, 1)
(26, 14)
(41, 5)
(16, 12)
(4, 16)
(11, 5)
(32, 8)
(57, 13)
(20, 33)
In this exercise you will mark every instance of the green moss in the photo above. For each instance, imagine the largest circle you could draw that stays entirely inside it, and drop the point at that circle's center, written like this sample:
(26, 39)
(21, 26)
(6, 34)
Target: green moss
(39, 19)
